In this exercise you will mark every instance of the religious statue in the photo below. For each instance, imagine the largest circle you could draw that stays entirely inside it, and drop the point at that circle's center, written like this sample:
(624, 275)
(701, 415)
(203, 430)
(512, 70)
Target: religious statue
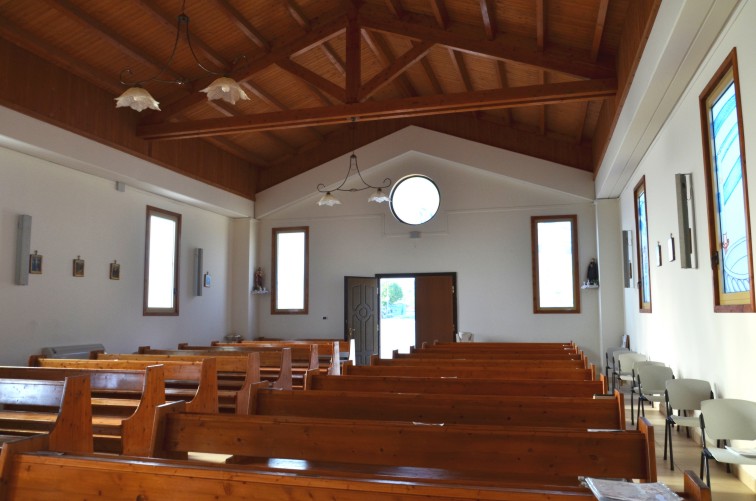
(259, 280)
(593, 274)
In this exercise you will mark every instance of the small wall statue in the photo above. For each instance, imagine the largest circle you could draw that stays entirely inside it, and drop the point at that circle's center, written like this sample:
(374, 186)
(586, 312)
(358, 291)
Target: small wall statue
(259, 285)
(593, 273)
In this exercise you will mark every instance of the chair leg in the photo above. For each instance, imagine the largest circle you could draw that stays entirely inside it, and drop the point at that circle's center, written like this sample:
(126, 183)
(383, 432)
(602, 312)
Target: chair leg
(666, 432)
(687, 428)
(632, 411)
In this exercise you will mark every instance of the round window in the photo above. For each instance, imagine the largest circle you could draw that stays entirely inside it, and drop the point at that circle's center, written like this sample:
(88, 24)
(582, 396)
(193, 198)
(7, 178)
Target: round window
(415, 199)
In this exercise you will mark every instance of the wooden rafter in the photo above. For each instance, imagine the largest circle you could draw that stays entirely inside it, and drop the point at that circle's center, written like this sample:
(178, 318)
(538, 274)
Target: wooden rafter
(353, 55)
(296, 13)
(274, 103)
(334, 58)
(488, 13)
(458, 61)
(313, 79)
(542, 110)
(88, 22)
(501, 72)
(243, 25)
(398, 67)
(581, 123)
(382, 52)
(507, 46)
(170, 24)
(439, 12)
(227, 110)
(540, 36)
(579, 91)
(599, 31)
(29, 42)
(395, 7)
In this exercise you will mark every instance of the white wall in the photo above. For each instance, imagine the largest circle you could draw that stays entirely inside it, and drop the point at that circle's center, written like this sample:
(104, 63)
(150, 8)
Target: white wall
(683, 329)
(77, 214)
(482, 233)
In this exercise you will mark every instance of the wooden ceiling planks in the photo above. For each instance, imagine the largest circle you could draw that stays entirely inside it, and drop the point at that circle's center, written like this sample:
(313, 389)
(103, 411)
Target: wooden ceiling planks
(297, 59)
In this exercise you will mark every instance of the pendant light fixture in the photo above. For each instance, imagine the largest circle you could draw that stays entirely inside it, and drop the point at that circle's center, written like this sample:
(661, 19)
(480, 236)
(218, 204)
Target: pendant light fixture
(378, 195)
(138, 98)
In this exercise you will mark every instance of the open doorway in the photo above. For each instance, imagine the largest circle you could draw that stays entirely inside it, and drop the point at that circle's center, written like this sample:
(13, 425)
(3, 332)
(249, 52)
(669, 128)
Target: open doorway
(398, 311)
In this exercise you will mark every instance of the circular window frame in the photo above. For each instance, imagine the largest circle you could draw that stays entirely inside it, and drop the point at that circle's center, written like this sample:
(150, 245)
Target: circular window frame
(402, 219)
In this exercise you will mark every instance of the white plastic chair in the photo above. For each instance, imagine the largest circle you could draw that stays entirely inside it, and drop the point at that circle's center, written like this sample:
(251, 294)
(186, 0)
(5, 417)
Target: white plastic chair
(683, 395)
(727, 419)
(611, 361)
(651, 381)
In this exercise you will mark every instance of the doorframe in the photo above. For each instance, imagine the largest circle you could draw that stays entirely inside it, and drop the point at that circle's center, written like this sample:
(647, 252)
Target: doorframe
(452, 274)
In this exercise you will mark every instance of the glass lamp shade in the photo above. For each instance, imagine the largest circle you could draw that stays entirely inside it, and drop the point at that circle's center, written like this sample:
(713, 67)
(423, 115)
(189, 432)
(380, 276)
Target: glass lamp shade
(226, 89)
(329, 200)
(378, 196)
(137, 98)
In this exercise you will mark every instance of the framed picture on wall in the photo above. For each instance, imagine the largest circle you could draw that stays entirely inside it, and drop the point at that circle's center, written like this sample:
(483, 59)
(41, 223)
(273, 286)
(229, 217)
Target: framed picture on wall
(78, 267)
(115, 271)
(35, 263)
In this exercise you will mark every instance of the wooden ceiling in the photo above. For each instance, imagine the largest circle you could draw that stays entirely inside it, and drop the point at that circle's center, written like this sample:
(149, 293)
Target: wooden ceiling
(541, 77)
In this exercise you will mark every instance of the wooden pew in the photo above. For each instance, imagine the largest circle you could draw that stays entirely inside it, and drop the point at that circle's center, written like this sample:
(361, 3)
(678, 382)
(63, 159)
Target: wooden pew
(194, 382)
(122, 406)
(274, 366)
(526, 372)
(568, 412)
(236, 374)
(491, 363)
(492, 455)
(39, 476)
(503, 345)
(344, 349)
(303, 356)
(460, 386)
(483, 355)
(59, 410)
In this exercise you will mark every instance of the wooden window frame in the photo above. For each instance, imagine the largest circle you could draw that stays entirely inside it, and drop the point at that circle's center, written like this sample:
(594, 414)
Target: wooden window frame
(643, 306)
(726, 74)
(152, 311)
(274, 310)
(534, 220)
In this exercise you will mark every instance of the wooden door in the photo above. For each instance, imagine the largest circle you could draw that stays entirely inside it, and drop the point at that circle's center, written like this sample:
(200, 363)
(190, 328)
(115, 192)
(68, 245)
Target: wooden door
(434, 308)
(361, 312)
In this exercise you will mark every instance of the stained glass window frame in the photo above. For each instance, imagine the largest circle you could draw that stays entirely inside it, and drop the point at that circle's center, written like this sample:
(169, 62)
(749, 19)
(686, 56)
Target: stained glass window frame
(729, 237)
(643, 246)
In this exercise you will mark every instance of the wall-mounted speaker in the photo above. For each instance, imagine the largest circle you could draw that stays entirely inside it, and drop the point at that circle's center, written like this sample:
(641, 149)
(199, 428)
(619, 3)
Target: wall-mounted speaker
(627, 260)
(23, 249)
(686, 221)
(198, 282)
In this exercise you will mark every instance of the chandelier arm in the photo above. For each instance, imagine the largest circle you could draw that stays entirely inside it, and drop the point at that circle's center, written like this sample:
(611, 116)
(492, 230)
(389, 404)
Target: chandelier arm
(178, 81)
(191, 49)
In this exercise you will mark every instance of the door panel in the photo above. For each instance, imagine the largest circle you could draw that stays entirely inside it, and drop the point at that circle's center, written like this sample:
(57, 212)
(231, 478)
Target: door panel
(361, 311)
(434, 309)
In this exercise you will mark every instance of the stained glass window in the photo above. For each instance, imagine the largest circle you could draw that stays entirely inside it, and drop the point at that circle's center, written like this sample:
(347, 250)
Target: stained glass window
(644, 266)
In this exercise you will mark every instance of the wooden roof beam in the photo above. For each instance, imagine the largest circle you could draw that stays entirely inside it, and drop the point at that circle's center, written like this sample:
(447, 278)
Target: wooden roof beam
(540, 25)
(229, 111)
(353, 55)
(88, 22)
(296, 13)
(313, 79)
(439, 12)
(383, 53)
(243, 25)
(395, 7)
(599, 31)
(501, 72)
(579, 91)
(506, 46)
(334, 58)
(274, 103)
(397, 68)
(458, 61)
(487, 11)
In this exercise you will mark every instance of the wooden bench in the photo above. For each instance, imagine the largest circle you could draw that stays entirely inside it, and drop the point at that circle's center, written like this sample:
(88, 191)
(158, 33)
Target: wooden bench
(298, 361)
(569, 412)
(491, 363)
(236, 374)
(33, 476)
(303, 356)
(492, 455)
(59, 410)
(194, 382)
(526, 372)
(344, 349)
(484, 355)
(123, 402)
(460, 386)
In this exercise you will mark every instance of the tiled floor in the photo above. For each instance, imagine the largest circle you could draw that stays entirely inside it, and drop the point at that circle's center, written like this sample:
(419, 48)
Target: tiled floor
(724, 486)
